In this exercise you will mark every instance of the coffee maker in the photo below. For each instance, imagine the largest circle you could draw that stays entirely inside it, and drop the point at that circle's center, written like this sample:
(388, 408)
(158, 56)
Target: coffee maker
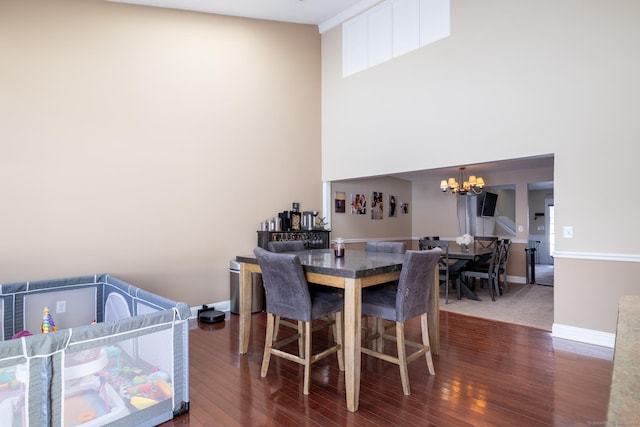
(309, 220)
(285, 220)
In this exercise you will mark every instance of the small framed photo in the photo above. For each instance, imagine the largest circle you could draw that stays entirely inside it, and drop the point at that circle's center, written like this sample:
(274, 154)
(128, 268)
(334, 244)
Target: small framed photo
(393, 209)
(340, 202)
(404, 207)
(358, 204)
(377, 205)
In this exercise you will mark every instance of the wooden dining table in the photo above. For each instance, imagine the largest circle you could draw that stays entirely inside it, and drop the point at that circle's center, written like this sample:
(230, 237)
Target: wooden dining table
(353, 272)
(457, 252)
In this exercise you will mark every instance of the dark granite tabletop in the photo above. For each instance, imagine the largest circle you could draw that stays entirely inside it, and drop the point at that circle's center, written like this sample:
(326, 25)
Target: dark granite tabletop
(354, 264)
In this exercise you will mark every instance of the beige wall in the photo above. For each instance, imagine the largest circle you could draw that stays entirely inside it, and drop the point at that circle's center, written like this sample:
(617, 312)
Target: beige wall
(149, 143)
(354, 227)
(515, 79)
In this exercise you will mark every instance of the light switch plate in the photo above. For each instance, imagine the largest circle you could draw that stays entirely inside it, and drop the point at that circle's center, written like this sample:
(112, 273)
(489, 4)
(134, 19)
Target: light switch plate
(567, 232)
(61, 306)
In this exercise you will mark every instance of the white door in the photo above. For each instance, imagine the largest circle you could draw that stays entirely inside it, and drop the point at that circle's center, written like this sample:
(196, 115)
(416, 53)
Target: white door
(547, 244)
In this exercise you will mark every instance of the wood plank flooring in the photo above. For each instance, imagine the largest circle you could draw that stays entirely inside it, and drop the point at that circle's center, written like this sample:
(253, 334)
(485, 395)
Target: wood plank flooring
(487, 374)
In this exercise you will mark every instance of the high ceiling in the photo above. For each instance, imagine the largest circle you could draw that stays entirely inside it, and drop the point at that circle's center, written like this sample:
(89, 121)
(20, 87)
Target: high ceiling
(323, 13)
(298, 11)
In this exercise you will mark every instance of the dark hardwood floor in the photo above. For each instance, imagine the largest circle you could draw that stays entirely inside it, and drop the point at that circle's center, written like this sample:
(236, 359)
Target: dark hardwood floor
(487, 374)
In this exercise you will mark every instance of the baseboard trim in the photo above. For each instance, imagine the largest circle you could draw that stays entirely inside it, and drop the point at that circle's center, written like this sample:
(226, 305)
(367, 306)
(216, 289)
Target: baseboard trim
(588, 336)
(516, 279)
(573, 333)
(593, 256)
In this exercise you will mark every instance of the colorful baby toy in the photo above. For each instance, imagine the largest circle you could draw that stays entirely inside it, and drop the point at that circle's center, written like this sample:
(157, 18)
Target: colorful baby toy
(48, 325)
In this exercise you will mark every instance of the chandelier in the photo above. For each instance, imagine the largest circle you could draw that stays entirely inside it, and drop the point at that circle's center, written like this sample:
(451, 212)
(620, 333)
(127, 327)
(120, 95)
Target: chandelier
(462, 186)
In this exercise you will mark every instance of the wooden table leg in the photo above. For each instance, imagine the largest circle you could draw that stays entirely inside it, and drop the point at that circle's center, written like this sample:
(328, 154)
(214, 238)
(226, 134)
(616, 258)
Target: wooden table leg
(352, 336)
(244, 307)
(434, 315)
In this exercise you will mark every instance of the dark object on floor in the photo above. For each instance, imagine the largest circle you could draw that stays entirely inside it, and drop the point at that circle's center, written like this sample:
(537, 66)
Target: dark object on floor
(210, 315)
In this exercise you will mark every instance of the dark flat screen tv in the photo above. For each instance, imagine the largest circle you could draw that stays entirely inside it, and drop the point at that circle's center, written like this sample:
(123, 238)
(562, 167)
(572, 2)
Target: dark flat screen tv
(487, 205)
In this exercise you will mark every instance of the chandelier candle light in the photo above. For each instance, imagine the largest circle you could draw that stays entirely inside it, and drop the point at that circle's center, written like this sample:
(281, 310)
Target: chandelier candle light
(463, 186)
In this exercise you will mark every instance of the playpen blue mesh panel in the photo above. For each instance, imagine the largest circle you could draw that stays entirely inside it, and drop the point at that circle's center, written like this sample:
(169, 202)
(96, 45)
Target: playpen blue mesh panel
(130, 370)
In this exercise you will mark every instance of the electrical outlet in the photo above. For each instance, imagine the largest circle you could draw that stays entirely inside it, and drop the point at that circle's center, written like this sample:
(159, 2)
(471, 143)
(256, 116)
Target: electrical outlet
(567, 232)
(61, 306)
(520, 228)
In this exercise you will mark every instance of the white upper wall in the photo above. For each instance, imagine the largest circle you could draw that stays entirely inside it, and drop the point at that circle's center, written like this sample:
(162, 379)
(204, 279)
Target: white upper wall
(514, 79)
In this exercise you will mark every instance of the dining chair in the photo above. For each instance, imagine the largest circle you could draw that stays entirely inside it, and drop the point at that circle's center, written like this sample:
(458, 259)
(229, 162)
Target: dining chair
(296, 246)
(408, 301)
(388, 247)
(285, 246)
(481, 242)
(448, 271)
(288, 295)
(502, 265)
(485, 267)
(279, 246)
(423, 246)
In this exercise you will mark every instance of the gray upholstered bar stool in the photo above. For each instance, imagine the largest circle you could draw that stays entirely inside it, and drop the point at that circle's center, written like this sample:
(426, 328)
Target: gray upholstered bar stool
(285, 246)
(279, 247)
(297, 246)
(410, 300)
(388, 247)
(288, 295)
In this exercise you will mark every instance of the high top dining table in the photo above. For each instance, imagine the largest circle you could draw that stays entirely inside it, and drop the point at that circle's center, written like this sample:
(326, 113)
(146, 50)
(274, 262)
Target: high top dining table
(355, 271)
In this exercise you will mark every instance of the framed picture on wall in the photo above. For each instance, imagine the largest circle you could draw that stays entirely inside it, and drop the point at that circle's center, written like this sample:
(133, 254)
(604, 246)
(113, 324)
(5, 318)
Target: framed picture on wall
(340, 202)
(358, 204)
(377, 205)
(392, 206)
(404, 207)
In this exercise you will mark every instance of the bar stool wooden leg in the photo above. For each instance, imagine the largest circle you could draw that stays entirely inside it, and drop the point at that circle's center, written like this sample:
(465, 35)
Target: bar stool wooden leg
(424, 322)
(339, 325)
(268, 344)
(402, 358)
(308, 359)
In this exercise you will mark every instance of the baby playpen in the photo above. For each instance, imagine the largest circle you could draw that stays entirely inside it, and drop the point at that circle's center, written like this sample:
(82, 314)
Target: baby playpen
(119, 355)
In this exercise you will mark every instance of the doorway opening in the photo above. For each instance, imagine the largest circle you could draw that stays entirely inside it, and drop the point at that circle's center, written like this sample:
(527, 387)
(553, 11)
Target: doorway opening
(542, 230)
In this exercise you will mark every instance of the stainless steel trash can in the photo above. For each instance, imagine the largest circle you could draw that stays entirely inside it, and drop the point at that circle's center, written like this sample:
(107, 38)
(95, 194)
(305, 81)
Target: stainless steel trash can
(530, 264)
(257, 290)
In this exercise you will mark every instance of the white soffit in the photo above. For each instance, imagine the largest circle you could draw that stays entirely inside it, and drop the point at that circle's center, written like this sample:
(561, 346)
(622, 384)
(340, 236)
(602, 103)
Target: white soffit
(326, 14)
